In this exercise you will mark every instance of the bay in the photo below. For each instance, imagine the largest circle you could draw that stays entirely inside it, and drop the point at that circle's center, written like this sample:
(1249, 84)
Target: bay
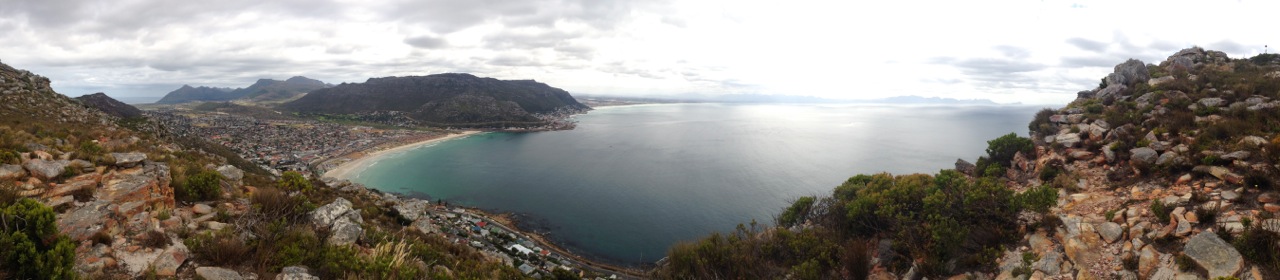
(631, 181)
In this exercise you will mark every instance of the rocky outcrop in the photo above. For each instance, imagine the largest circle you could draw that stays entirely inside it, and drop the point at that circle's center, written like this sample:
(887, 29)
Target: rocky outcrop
(217, 273)
(11, 172)
(1128, 73)
(46, 169)
(1214, 255)
(341, 221)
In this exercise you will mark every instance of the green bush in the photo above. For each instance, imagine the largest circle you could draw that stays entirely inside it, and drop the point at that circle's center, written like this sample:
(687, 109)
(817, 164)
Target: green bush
(294, 181)
(1041, 123)
(1001, 150)
(797, 212)
(218, 248)
(1161, 210)
(31, 246)
(204, 185)
(1038, 199)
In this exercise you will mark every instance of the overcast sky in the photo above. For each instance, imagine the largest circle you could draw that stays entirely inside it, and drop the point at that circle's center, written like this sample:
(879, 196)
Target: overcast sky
(1009, 51)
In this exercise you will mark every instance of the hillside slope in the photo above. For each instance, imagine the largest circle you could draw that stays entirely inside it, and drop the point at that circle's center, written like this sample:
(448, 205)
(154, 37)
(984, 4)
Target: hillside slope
(111, 106)
(443, 99)
(1163, 171)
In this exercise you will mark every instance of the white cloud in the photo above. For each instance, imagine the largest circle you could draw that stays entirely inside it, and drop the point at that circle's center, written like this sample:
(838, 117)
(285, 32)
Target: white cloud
(1009, 51)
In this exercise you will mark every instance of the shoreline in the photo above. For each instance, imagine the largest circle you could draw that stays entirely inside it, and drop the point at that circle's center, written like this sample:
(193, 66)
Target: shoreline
(359, 161)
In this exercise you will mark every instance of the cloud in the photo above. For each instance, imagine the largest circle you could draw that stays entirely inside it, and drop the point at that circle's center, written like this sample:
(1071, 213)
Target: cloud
(529, 39)
(425, 42)
(1088, 45)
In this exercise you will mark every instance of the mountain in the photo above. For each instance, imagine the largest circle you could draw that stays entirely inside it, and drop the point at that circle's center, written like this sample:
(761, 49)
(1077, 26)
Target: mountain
(1163, 171)
(109, 105)
(264, 90)
(187, 93)
(443, 99)
(267, 90)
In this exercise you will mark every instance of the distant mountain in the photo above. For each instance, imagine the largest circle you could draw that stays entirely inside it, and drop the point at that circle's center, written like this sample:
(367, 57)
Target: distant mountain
(109, 105)
(442, 99)
(265, 90)
(187, 93)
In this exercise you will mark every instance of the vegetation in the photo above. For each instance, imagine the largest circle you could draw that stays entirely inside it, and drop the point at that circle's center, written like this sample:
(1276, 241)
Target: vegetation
(30, 245)
(203, 185)
(1041, 123)
(294, 181)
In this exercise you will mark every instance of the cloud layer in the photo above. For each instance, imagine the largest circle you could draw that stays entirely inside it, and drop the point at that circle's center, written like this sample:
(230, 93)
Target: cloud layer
(1009, 51)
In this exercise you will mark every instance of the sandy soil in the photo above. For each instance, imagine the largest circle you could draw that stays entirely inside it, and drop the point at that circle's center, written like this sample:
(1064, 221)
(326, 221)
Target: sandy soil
(352, 168)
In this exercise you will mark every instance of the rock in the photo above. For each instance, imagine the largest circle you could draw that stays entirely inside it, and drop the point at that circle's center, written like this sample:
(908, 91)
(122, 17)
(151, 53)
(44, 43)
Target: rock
(231, 173)
(1183, 228)
(1214, 254)
(1112, 91)
(128, 159)
(1253, 141)
(1269, 197)
(1148, 261)
(1230, 195)
(965, 167)
(1143, 155)
(1211, 101)
(46, 169)
(201, 209)
(11, 172)
(411, 210)
(1170, 158)
(1271, 207)
(217, 273)
(215, 225)
(1085, 94)
(169, 261)
(1110, 231)
(1223, 173)
(342, 222)
(1050, 263)
(59, 201)
(1128, 73)
(1068, 140)
(1075, 118)
(295, 273)
(1081, 155)
(1237, 155)
(87, 181)
(1058, 118)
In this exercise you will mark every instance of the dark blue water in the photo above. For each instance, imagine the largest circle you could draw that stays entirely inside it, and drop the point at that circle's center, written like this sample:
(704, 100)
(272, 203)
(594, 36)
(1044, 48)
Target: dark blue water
(631, 181)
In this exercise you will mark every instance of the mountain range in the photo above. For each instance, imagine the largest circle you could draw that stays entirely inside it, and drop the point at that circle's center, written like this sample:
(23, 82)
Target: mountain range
(265, 90)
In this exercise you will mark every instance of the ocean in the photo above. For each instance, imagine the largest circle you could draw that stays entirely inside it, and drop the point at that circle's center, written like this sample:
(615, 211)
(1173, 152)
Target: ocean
(631, 181)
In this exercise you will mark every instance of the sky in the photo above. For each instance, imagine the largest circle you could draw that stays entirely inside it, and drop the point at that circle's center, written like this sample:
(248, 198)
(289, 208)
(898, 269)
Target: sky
(1033, 52)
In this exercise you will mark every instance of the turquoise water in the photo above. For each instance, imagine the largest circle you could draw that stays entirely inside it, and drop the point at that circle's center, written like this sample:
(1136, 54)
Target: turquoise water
(631, 181)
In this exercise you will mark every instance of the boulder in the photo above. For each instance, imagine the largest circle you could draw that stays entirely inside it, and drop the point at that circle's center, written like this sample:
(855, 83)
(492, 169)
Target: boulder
(1211, 101)
(1236, 155)
(324, 216)
(965, 167)
(217, 273)
(1050, 263)
(11, 172)
(1085, 94)
(46, 169)
(1058, 118)
(1112, 91)
(342, 222)
(411, 210)
(1111, 232)
(295, 273)
(231, 173)
(1160, 80)
(1143, 155)
(1068, 140)
(1170, 158)
(344, 232)
(1081, 155)
(1148, 262)
(1253, 141)
(1270, 197)
(168, 262)
(1128, 73)
(1214, 255)
(201, 209)
(128, 159)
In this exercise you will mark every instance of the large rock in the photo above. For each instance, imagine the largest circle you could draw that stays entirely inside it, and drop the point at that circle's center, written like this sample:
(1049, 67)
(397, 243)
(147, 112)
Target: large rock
(1068, 139)
(11, 172)
(168, 262)
(295, 273)
(1143, 155)
(128, 159)
(46, 169)
(1212, 101)
(1148, 262)
(217, 273)
(965, 167)
(342, 222)
(1254, 141)
(1214, 254)
(231, 173)
(122, 201)
(1112, 91)
(411, 209)
(1110, 231)
(1129, 73)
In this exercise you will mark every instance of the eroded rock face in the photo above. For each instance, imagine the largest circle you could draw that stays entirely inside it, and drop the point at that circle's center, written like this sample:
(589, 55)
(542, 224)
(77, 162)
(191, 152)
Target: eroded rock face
(121, 202)
(411, 209)
(1214, 254)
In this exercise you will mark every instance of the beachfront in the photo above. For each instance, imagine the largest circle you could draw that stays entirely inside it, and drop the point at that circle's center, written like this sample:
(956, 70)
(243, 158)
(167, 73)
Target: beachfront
(350, 165)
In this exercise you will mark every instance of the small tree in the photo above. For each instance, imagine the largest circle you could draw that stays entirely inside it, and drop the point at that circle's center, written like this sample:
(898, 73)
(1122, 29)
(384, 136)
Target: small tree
(294, 181)
(205, 185)
(31, 246)
(1001, 150)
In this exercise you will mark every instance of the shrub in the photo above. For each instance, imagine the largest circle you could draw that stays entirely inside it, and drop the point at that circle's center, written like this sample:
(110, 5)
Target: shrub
(1048, 173)
(204, 185)
(31, 246)
(1207, 215)
(1001, 150)
(273, 204)
(156, 239)
(1161, 210)
(10, 157)
(218, 248)
(797, 212)
(294, 181)
(1038, 199)
(1041, 122)
(1094, 108)
(1259, 246)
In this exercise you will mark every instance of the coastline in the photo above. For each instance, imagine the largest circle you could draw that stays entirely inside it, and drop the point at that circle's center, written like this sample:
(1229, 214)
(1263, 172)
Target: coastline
(359, 161)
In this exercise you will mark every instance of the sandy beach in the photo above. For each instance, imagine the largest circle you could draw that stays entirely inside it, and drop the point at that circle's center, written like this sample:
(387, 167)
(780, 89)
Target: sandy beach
(352, 167)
